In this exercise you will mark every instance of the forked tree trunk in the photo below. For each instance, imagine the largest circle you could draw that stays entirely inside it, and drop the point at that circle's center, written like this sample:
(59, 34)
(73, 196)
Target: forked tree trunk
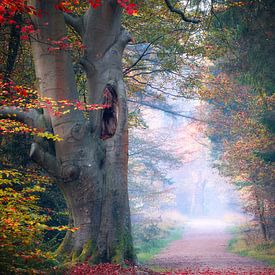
(90, 163)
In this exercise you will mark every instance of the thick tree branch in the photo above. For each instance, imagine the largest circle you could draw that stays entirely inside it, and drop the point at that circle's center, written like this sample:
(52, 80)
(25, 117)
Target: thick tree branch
(119, 44)
(35, 119)
(181, 13)
(75, 22)
(102, 27)
(31, 117)
(123, 39)
(112, 51)
(46, 160)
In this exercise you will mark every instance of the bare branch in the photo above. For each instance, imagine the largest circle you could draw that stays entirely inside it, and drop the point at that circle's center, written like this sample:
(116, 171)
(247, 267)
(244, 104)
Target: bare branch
(141, 56)
(75, 22)
(156, 88)
(181, 13)
(165, 110)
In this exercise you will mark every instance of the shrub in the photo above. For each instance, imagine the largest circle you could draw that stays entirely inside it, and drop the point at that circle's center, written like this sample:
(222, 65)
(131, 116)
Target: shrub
(21, 222)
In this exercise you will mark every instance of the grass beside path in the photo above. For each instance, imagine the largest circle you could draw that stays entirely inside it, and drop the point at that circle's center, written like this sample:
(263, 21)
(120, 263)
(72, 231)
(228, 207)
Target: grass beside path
(264, 251)
(146, 250)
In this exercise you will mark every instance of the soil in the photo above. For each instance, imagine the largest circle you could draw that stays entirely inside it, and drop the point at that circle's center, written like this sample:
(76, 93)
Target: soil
(204, 247)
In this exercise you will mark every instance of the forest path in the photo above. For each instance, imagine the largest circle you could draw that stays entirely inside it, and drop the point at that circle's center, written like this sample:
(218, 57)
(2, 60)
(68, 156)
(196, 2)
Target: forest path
(203, 246)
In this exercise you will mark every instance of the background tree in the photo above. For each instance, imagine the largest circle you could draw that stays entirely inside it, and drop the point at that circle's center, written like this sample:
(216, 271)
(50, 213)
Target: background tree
(240, 92)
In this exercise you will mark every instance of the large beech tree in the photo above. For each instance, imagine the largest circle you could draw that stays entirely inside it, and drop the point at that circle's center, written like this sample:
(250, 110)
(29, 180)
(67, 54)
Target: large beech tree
(90, 162)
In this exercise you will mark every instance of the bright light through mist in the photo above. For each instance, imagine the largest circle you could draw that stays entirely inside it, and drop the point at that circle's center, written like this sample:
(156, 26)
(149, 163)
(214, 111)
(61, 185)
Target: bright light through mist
(207, 224)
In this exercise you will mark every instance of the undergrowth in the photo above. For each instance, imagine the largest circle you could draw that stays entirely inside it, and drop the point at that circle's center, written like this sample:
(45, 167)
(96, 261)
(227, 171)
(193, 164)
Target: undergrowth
(263, 251)
(146, 249)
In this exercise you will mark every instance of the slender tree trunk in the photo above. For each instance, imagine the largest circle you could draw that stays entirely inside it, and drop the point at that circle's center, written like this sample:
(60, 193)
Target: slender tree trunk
(197, 203)
(261, 216)
(90, 163)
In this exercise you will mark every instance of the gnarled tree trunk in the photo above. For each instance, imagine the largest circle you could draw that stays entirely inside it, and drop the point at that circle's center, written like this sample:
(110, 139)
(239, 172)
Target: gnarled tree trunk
(90, 163)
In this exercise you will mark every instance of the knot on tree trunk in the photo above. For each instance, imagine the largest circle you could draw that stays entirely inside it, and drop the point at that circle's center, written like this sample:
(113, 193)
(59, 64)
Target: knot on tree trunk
(78, 131)
(70, 172)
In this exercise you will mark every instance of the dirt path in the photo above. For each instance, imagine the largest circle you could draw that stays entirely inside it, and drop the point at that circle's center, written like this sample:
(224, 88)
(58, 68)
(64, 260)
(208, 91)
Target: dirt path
(203, 246)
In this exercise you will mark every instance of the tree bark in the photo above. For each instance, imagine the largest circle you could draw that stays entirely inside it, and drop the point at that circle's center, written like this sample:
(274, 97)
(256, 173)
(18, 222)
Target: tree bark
(261, 216)
(91, 160)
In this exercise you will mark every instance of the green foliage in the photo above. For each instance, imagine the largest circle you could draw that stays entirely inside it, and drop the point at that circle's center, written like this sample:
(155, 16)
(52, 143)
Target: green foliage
(150, 239)
(21, 222)
(263, 251)
(246, 33)
(136, 121)
(14, 150)
(53, 203)
(31, 210)
(241, 41)
(149, 184)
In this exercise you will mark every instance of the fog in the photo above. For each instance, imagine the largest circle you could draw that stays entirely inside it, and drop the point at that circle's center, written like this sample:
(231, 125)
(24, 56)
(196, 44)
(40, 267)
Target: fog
(201, 196)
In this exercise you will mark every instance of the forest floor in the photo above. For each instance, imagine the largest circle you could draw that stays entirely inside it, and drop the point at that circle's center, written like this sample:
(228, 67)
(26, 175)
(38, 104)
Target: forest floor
(203, 247)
